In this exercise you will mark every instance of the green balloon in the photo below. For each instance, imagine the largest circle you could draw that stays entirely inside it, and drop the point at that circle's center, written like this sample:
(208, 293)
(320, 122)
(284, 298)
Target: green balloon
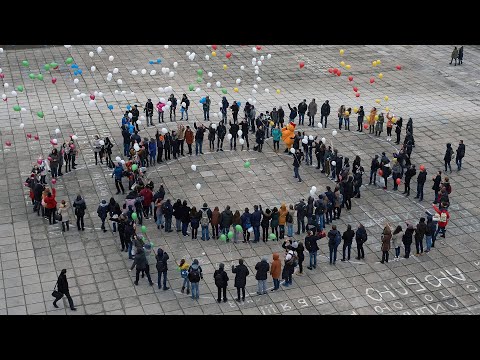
(25, 63)
(238, 228)
(40, 77)
(200, 72)
(199, 79)
(20, 88)
(246, 165)
(230, 234)
(46, 67)
(53, 65)
(134, 167)
(69, 61)
(17, 108)
(40, 114)
(134, 216)
(223, 237)
(144, 229)
(224, 91)
(31, 76)
(191, 87)
(272, 236)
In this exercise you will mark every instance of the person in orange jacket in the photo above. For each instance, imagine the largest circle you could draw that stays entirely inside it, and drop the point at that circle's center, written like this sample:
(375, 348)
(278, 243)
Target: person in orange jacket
(276, 271)
(443, 221)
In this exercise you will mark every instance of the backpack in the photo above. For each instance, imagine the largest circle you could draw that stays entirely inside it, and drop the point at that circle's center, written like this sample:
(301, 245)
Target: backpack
(338, 238)
(205, 220)
(449, 188)
(194, 275)
(293, 261)
(289, 218)
(443, 217)
(219, 279)
(160, 265)
(184, 273)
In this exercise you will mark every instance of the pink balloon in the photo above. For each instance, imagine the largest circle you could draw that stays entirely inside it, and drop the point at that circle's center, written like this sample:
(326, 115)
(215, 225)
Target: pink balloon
(39, 161)
(29, 136)
(36, 137)
(2, 76)
(92, 97)
(54, 181)
(54, 80)
(8, 143)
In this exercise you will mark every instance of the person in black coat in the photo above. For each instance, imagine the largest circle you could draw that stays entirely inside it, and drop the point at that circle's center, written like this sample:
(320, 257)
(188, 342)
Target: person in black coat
(312, 247)
(241, 272)
(221, 281)
(408, 176)
(184, 213)
(460, 155)
(348, 193)
(233, 131)
(407, 239)
(301, 257)
(62, 288)
(436, 185)
(260, 138)
(324, 111)
(361, 116)
(162, 268)
(141, 264)
(448, 157)
(347, 241)
(398, 129)
(244, 128)
(262, 268)
(421, 179)
(221, 132)
(360, 238)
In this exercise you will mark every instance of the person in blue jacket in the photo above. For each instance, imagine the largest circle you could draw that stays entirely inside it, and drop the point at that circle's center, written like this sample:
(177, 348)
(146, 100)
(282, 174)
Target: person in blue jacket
(255, 219)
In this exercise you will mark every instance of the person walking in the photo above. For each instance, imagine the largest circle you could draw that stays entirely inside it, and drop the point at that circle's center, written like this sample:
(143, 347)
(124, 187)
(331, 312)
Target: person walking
(324, 112)
(312, 247)
(460, 154)
(347, 242)
(262, 268)
(102, 212)
(183, 267)
(334, 239)
(241, 272)
(397, 241)
(194, 275)
(62, 289)
(460, 56)
(448, 157)
(360, 238)
(221, 281)
(162, 268)
(80, 207)
(407, 239)
(386, 238)
(141, 264)
(454, 56)
(275, 271)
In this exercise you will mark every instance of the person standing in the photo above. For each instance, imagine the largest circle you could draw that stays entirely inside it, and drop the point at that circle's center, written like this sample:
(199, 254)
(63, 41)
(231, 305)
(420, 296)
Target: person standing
(185, 103)
(312, 247)
(360, 238)
(160, 105)
(173, 106)
(360, 118)
(221, 132)
(63, 212)
(398, 129)
(300, 250)
(408, 176)
(312, 111)
(215, 221)
(194, 217)
(436, 185)
(340, 114)
(324, 112)
(102, 212)
(235, 109)
(183, 267)
(460, 56)
(198, 138)
(297, 160)
(224, 108)
(162, 268)
(206, 109)
(347, 242)
(205, 218)
(275, 271)
(289, 220)
(421, 179)
(407, 239)
(262, 268)
(276, 134)
(288, 268)
(460, 154)
(443, 220)
(429, 232)
(189, 139)
(141, 264)
(301, 209)
(97, 147)
(386, 238)
(181, 138)
(62, 288)
(259, 137)
(80, 207)
(334, 239)
(221, 281)
(148, 110)
(226, 220)
(241, 272)
(397, 241)
(448, 157)
(454, 56)
(194, 275)
(255, 220)
(302, 109)
(375, 165)
(211, 137)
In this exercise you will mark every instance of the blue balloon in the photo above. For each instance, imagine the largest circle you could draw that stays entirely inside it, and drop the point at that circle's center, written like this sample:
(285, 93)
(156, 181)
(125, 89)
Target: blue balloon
(159, 61)
(80, 72)
(128, 107)
(74, 66)
(151, 62)
(110, 107)
(75, 72)
(202, 100)
(239, 103)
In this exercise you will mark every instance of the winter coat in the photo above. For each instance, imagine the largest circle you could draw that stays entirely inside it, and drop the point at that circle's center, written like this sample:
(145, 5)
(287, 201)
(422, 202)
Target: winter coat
(140, 261)
(241, 272)
(195, 267)
(185, 214)
(102, 211)
(62, 284)
(276, 134)
(311, 243)
(275, 216)
(422, 177)
(262, 268)
(63, 210)
(266, 219)
(255, 218)
(221, 131)
(226, 218)
(379, 125)
(246, 219)
(223, 282)
(50, 202)
(455, 53)
(460, 151)
(189, 136)
(80, 207)
(407, 237)
(360, 236)
(348, 237)
(442, 224)
(436, 183)
(276, 267)
(312, 108)
(448, 153)
(282, 219)
(397, 239)
(332, 236)
(386, 238)
(96, 145)
(216, 217)
(325, 109)
(300, 251)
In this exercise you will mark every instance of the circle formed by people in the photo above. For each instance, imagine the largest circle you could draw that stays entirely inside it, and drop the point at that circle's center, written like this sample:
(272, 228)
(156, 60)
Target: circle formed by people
(228, 179)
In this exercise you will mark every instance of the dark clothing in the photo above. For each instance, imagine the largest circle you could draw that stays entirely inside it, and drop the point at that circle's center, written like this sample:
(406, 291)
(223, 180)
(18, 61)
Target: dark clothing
(262, 268)
(221, 278)
(241, 272)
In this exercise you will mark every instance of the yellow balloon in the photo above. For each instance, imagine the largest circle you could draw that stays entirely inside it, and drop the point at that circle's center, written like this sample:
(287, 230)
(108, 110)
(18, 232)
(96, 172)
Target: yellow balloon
(278, 91)
(380, 76)
(377, 101)
(386, 98)
(348, 67)
(387, 109)
(214, 53)
(347, 113)
(235, 89)
(342, 63)
(374, 63)
(394, 120)
(271, 123)
(355, 110)
(378, 62)
(342, 52)
(225, 67)
(376, 117)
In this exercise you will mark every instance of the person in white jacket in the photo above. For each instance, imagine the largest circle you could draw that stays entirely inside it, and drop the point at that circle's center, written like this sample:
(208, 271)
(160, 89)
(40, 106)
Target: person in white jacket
(63, 211)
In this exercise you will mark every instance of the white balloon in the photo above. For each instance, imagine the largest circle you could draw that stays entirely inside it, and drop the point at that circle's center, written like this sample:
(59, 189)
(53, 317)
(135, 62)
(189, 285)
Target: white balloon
(91, 102)
(110, 58)
(162, 100)
(194, 167)
(191, 57)
(239, 133)
(256, 67)
(292, 150)
(14, 93)
(314, 188)
(119, 82)
(57, 131)
(72, 99)
(259, 63)
(238, 81)
(91, 54)
(198, 186)
(259, 78)
(153, 72)
(241, 141)
(334, 132)
(218, 83)
(55, 141)
(323, 140)
(144, 71)
(99, 49)
(210, 74)
(320, 125)
(310, 138)
(254, 49)
(161, 90)
(6, 85)
(175, 64)
(1, 50)
(93, 68)
(184, 104)
(23, 109)
(101, 142)
(55, 108)
(68, 46)
(198, 90)
(256, 72)
(134, 72)
(168, 89)
(229, 136)
(254, 91)
(254, 60)
(74, 137)
(4, 96)
(207, 57)
(100, 94)
(171, 74)
(130, 115)
(123, 92)
(242, 67)
(169, 103)
(267, 91)
(262, 58)
(305, 141)
(139, 122)
(75, 81)
(22, 125)
(214, 126)
(188, 53)
(118, 159)
(209, 85)
(115, 70)
(333, 163)
(255, 86)
(136, 147)
(164, 131)
(123, 162)
(76, 91)
(250, 230)
(269, 56)
(165, 46)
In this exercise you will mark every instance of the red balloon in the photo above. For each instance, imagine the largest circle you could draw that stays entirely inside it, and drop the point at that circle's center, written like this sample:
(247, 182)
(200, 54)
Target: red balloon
(357, 94)
(36, 137)
(422, 167)
(302, 64)
(55, 68)
(335, 70)
(380, 172)
(365, 126)
(399, 67)
(29, 136)
(8, 143)
(6, 99)
(339, 73)
(2, 76)
(398, 181)
(54, 80)
(214, 47)
(228, 55)
(259, 47)
(92, 97)
(54, 181)
(372, 80)
(330, 71)
(49, 158)
(355, 89)
(350, 78)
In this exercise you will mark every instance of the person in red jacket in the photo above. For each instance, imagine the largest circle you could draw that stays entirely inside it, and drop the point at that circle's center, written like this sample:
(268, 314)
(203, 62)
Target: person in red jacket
(443, 221)
(147, 201)
(51, 205)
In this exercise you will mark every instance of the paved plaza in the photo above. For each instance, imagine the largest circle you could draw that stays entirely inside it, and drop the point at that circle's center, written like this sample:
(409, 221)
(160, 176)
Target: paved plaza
(442, 99)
